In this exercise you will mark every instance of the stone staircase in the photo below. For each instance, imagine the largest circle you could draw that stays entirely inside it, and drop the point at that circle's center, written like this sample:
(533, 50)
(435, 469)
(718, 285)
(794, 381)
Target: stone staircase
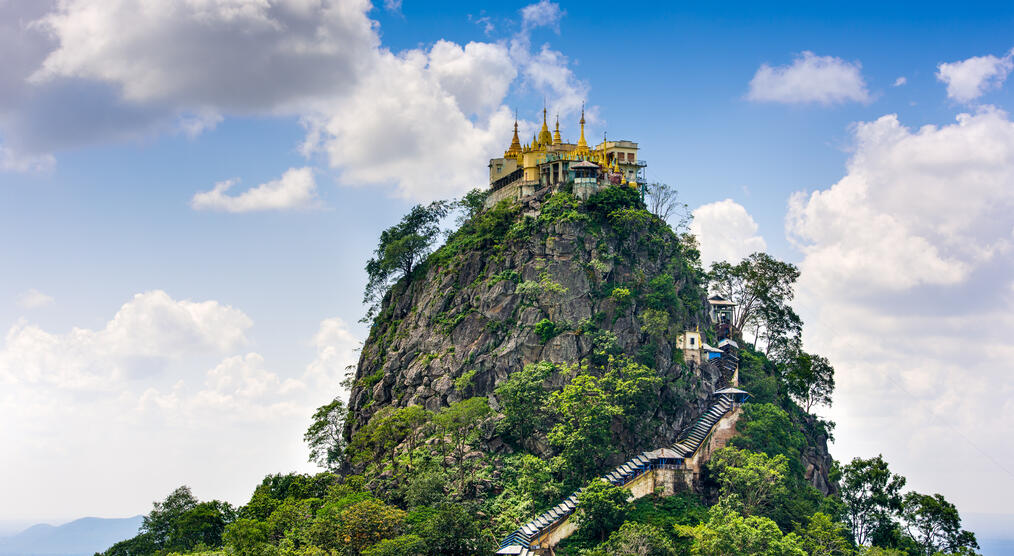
(689, 441)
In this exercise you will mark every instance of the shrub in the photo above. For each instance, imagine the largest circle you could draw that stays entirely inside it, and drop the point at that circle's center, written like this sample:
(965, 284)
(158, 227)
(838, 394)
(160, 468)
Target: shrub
(546, 330)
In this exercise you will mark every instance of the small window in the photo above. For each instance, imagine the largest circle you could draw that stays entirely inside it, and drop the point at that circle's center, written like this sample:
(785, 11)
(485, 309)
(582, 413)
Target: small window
(691, 340)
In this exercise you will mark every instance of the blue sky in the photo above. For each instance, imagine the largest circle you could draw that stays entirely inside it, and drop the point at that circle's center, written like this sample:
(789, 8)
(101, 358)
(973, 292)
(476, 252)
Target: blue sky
(135, 314)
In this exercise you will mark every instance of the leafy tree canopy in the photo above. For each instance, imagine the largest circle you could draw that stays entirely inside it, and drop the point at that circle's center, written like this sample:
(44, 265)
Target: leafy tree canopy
(401, 248)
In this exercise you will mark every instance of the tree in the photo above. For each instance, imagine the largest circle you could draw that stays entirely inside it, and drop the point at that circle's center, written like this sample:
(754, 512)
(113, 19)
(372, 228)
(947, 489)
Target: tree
(871, 494)
(602, 507)
(761, 286)
(461, 421)
(470, 204)
(749, 481)
(584, 412)
(401, 247)
(366, 523)
(767, 428)
(162, 521)
(522, 398)
(934, 523)
(635, 539)
(727, 532)
(663, 201)
(324, 437)
(449, 530)
(823, 537)
(809, 379)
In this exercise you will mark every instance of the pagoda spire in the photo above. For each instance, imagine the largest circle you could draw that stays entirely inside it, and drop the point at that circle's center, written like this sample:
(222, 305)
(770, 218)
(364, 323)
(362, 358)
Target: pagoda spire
(556, 134)
(545, 138)
(582, 144)
(515, 147)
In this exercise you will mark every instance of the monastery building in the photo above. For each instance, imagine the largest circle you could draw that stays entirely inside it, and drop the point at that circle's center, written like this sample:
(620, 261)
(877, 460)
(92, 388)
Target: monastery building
(549, 162)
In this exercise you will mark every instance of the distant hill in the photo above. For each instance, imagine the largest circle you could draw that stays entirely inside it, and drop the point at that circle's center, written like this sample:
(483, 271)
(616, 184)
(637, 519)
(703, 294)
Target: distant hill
(81, 537)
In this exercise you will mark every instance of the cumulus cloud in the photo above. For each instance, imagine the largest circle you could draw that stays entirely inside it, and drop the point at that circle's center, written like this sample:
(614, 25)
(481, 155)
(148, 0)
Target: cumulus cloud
(133, 401)
(969, 79)
(94, 71)
(900, 81)
(905, 286)
(243, 55)
(145, 332)
(725, 232)
(296, 189)
(921, 207)
(810, 79)
(34, 299)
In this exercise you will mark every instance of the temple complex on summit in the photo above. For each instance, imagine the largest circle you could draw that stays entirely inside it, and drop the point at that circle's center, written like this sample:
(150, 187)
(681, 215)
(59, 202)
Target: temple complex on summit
(550, 162)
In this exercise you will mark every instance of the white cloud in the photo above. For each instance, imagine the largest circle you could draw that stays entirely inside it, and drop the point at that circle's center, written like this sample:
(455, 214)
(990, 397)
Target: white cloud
(145, 333)
(403, 127)
(969, 79)
(34, 299)
(810, 79)
(916, 208)
(725, 232)
(900, 81)
(12, 161)
(542, 14)
(244, 55)
(905, 286)
(296, 189)
(94, 398)
(99, 71)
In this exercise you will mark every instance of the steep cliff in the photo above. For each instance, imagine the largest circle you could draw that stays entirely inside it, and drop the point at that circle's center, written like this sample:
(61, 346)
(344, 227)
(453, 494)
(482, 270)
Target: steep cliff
(552, 280)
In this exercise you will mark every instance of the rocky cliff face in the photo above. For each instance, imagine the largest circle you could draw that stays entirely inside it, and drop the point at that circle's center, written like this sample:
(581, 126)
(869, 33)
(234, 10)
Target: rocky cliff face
(561, 287)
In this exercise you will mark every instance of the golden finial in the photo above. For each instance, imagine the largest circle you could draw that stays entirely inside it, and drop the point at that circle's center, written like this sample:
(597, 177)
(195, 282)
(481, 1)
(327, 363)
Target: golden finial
(581, 143)
(545, 138)
(515, 147)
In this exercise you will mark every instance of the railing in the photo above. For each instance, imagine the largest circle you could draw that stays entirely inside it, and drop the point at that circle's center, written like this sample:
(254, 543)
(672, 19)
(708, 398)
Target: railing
(508, 179)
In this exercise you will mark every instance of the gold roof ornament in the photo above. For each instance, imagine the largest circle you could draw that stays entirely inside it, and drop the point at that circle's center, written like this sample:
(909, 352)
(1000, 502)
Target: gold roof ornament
(515, 148)
(556, 134)
(545, 138)
(582, 144)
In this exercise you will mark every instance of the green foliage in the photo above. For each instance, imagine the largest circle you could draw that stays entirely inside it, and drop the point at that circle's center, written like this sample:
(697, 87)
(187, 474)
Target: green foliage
(403, 545)
(522, 397)
(621, 296)
(370, 380)
(654, 322)
(822, 536)
(449, 530)
(485, 230)
(400, 248)
(324, 437)
(809, 379)
(610, 199)
(546, 329)
(661, 293)
(935, 525)
(177, 524)
(767, 428)
(585, 409)
(464, 381)
(561, 207)
(762, 287)
(749, 481)
(544, 286)
(470, 204)
(360, 526)
(635, 539)
(602, 508)
(461, 423)
(872, 496)
(728, 532)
